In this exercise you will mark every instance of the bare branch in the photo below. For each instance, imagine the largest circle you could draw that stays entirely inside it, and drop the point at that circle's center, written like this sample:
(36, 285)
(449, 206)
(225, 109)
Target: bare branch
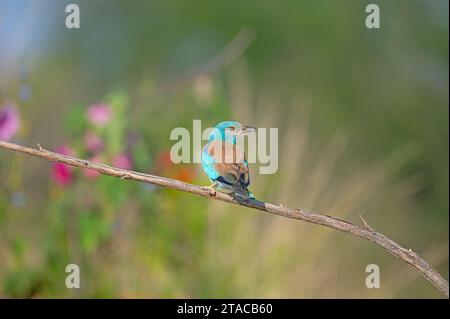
(365, 231)
(366, 225)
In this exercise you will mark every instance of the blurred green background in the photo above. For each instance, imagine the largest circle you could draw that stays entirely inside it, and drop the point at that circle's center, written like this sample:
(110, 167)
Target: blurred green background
(363, 124)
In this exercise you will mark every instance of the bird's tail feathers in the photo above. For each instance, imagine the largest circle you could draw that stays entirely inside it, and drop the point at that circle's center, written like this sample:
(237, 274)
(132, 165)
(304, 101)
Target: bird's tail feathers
(242, 192)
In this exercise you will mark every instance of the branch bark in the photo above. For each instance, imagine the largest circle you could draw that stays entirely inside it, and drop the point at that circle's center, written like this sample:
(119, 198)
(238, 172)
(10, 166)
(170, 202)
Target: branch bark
(365, 231)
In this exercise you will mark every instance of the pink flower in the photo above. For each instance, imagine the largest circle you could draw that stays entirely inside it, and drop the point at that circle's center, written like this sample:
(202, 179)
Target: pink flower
(122, 161)
(9, 121)
(62, 174)
(99, 114)
(93, 142)
(90, 173)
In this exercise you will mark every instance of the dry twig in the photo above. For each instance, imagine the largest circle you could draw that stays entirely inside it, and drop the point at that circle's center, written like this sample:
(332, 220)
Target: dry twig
(365, 231)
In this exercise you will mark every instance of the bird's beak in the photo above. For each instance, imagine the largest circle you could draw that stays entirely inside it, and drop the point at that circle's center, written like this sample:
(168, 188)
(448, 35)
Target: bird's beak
(248, 129)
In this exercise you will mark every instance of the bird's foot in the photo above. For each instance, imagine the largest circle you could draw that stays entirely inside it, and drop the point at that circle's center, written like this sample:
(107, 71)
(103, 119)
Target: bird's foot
(211, 190)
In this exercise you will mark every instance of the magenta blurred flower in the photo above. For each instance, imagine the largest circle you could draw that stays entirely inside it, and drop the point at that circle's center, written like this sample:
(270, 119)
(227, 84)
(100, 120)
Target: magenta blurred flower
(9, 121)
(99, 114)
(93, 142)
(62, 174)
(122, 161)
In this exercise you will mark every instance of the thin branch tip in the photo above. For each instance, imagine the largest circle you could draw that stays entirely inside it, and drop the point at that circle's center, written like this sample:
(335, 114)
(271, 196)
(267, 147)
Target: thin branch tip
(366, 225)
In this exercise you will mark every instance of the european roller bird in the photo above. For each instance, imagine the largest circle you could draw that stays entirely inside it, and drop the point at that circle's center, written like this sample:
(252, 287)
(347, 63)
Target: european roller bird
(224, 163)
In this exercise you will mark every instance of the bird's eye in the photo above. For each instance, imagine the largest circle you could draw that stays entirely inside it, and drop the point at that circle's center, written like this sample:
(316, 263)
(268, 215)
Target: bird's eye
(231, 128)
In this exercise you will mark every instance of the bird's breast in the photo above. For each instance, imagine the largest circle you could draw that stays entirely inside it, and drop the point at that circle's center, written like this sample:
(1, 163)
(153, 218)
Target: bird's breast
(224, 152)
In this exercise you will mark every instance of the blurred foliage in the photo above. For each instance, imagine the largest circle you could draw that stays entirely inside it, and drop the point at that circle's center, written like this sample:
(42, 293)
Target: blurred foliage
(363, 121)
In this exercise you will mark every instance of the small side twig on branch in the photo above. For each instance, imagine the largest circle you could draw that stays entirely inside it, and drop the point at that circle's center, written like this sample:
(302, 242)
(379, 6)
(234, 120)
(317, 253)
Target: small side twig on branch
(365, 231)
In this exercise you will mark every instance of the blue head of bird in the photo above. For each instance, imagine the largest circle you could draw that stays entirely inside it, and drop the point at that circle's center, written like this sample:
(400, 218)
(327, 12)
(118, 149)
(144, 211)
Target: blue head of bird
(228, 131)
